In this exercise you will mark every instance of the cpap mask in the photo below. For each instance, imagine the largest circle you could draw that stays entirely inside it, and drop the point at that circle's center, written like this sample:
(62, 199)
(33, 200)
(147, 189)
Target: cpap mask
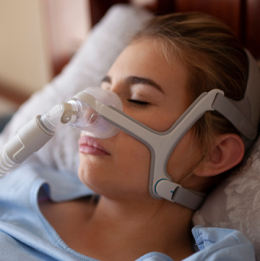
(99, 113)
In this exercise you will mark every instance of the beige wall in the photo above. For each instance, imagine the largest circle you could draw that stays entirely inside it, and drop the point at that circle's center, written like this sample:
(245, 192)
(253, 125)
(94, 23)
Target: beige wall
(68, 23)
(24, 58)
(32, 33)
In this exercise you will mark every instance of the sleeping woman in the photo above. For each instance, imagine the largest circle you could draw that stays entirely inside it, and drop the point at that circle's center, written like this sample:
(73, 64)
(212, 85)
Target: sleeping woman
(163, 70)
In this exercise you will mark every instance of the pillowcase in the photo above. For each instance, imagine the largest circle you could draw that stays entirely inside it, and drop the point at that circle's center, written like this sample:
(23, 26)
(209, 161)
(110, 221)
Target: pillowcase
(90, 64)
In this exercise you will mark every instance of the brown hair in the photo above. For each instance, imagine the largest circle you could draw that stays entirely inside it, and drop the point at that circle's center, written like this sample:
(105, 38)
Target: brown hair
(214, 58)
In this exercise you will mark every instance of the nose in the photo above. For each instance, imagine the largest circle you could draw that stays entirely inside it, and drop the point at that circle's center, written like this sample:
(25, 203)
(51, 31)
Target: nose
(89, 119)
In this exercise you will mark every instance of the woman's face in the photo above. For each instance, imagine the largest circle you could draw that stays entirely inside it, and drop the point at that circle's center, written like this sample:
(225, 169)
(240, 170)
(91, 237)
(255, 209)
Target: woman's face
(155, 94)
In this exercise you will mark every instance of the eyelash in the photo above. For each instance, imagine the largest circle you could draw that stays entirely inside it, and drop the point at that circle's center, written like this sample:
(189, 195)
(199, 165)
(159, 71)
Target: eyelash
(140, 103)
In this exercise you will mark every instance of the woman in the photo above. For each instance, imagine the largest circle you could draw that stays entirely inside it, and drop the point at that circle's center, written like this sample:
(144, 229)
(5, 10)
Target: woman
(164, 69)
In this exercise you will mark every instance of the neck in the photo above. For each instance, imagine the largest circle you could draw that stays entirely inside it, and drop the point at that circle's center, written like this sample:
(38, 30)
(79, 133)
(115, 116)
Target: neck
(145, 226)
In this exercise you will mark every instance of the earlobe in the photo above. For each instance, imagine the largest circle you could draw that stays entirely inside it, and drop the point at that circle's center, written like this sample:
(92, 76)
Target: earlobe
(227, 153)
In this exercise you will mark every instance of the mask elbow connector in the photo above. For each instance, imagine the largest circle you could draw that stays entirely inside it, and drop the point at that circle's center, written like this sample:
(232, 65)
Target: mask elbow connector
(61, 113)
(82, 112)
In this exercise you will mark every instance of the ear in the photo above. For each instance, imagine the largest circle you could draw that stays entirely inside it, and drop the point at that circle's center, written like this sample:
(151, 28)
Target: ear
(228, 151)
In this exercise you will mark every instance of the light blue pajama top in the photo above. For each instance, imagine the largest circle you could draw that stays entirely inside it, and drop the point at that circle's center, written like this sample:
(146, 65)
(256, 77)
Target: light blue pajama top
(26, 235)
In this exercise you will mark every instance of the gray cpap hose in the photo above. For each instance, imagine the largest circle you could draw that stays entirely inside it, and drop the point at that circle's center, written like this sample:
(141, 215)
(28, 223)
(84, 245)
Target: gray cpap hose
(34, 135)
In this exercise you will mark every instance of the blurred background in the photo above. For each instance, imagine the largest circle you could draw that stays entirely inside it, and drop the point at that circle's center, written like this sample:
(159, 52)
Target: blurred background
(37, 38)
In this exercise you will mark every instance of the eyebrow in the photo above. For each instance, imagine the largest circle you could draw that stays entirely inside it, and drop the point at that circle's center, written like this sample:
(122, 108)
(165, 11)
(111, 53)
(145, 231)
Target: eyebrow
(136, 80)
(131, 80)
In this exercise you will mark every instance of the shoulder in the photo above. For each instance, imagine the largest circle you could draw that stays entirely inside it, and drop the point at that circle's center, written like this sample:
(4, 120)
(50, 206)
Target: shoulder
(19, 244)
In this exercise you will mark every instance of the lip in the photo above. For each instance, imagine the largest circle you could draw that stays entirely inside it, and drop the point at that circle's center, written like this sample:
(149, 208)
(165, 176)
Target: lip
(88, 145)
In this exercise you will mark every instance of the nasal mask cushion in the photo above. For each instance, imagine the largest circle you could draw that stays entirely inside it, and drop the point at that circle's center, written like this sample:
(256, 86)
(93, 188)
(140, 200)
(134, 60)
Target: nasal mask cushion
(88, 119)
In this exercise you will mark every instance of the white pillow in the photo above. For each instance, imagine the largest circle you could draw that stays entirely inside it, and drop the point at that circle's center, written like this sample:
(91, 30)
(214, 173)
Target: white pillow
(86, 69)
(235, 203)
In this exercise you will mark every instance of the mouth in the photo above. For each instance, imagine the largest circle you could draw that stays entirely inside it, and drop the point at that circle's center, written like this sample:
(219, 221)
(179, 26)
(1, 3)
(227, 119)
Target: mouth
(88, 145)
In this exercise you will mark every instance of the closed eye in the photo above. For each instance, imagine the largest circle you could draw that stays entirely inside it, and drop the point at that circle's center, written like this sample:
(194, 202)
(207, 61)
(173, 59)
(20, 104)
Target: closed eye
(137, 102)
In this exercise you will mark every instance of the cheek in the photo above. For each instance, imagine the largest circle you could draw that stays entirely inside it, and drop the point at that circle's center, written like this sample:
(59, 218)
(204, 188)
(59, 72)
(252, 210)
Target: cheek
(183, 158)
(124, 173)
(157, 118)
(133, 158)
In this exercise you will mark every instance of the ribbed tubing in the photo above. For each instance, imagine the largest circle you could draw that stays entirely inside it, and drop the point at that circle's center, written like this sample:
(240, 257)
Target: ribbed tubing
(5, 164)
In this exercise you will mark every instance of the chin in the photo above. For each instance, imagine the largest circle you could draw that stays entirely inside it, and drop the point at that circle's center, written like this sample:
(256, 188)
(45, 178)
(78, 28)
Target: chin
(94, 177)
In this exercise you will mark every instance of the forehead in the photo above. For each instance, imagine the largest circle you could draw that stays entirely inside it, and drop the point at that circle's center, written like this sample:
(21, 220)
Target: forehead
(145, 59)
